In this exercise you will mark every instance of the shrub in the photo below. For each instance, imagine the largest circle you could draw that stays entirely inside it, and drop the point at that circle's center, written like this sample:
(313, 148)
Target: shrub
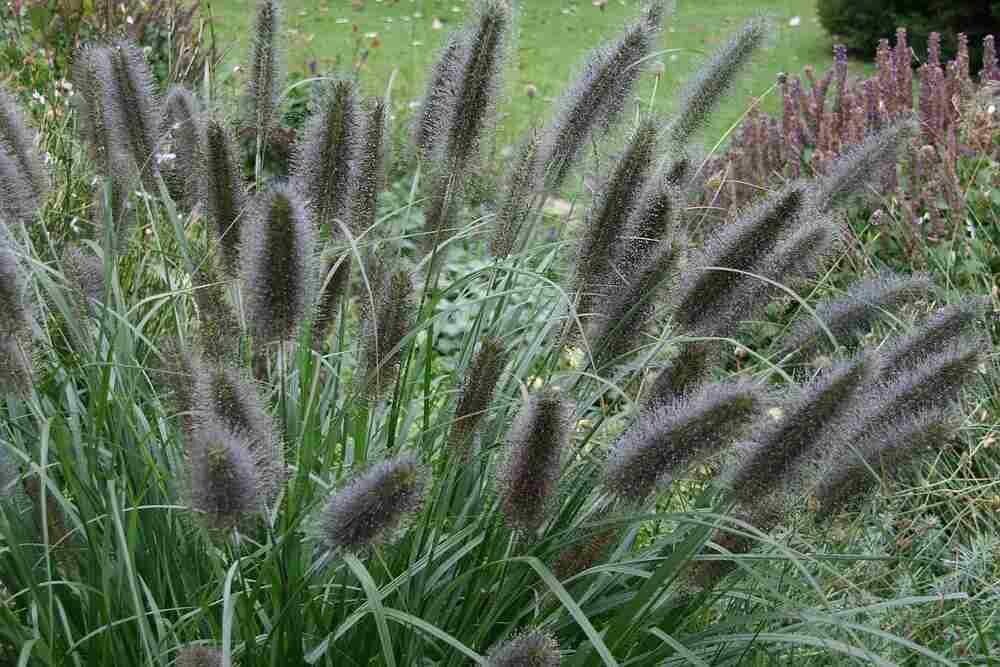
(371, 500)
(860, 24)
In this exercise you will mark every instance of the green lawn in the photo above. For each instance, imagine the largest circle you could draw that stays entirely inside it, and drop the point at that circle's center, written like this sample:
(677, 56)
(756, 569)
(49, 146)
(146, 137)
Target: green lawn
(554, 35)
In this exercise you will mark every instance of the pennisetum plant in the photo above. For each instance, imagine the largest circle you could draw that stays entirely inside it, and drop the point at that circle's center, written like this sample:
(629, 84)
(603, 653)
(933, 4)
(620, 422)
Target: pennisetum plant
(589, 515)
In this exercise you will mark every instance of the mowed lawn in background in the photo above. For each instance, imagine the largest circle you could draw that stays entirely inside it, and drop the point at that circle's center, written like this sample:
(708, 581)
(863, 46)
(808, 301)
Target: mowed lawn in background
(404, 35)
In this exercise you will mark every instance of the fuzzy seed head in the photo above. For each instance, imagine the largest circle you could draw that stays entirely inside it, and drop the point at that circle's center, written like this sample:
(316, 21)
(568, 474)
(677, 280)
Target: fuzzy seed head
(370, 172)
(199, 656)
(479, 80)
(595, 100)
(226, 483)
(476, 394)
(429, 124)
(856, 310)
(665, 440)
(17, 368)
(743, 244)
(532, 648)
(443, 197)
(536, 443)
(607, 220)
(385, 330)
(24, 180)
(326, 154)
(848, 474)
(517, 199)
(941, 330)
(859, 166)
(93, 78)
(223, 195)
(14, 303)
(182, 134)
(779, 448)
(654, 219)
(683, 374)
(934, 382)
(623, 315)
(266, 69)
(222, 397)
(18, 203)
(84, 273)
(714, 79)
(372, 506)
(800, 257)
(278, 247)
(134, 90)
(218, 328)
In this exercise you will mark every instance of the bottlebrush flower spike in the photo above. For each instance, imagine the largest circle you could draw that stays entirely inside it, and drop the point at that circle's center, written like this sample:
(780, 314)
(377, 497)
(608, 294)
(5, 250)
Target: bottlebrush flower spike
(199, 656)
(218, 327)
(942, 329)
(623, 315)
(481, 378)
(230, 481)
(84, 272)
(858, 166)
(848, 474)
(666, 439)
(369, 508)
(595, 100)
(780, 446)
(478, 82)
(266, 69)
(223, 193)
(220, 396)
(934, 382)
(28, 181)
(857, 309)
(532, 648)
(743, 245)
(182, 125)
(683, 374)
(536, 443)
(277, 254)
(654, 219)
(385, 329)
(14, 303)
(428, 126)
(517, 199)
(370, 172)
(134, 90)
(606, 221)
(326, 154)
(17, 368)
(714, 79)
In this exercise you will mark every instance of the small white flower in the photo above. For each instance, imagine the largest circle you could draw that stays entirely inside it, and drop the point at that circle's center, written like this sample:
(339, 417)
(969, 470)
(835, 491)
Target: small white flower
(991, 109)
(795, 21)
(129, 20)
